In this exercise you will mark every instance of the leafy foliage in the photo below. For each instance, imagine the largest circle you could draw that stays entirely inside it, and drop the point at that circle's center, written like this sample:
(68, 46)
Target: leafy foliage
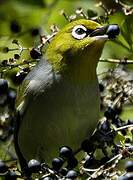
(24, 35)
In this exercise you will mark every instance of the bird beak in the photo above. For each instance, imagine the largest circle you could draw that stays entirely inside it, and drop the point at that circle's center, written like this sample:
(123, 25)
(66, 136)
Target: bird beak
(106, 32)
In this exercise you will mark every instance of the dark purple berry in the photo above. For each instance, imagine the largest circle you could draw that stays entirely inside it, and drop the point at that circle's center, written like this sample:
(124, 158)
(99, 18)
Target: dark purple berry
(118, 122)
(57, 163)
(3, 86)
(11, 97)
(89, 161)
(16, 56)
(105, 126)
(72, 174)
(118, 110)
(66, 152)
(112, 31)
(110, 113)
(101, 87)
(87, 146)
(4, 62)
(127, 140)
(35, 53)
(129, 166)
(104, 160)
(35, 31)
(15, 41)
(11, 175)
(63, 171)
(17, 79)
(15, 27)
(124, 132)
(72, 162)
(34, 166)
(3, 167)
(5, 50)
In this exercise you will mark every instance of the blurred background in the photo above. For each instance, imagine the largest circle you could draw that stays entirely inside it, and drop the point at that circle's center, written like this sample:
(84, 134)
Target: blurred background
(25, 21)
(22, 22)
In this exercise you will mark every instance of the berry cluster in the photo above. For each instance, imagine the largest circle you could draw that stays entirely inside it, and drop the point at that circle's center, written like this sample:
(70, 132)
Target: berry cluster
(116, 88)
(7, 106)
(103, 138)
(62, 166)
(16, 28)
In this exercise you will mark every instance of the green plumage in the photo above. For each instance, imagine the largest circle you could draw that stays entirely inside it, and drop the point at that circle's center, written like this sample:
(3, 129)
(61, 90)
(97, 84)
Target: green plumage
(59, 102)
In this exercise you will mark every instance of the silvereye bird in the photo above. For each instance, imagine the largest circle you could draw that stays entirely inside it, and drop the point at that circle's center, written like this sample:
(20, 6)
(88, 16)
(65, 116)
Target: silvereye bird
(58, 102)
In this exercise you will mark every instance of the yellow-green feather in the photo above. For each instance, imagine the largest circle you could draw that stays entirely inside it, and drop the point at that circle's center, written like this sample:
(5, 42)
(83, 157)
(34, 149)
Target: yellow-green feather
(72, 56)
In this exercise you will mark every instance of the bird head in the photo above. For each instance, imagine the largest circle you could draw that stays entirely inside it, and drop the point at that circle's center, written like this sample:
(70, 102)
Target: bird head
(78, 43)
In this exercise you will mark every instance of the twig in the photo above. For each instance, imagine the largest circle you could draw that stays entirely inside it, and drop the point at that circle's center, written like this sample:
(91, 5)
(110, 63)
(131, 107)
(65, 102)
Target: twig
(45, 39)
(124, 127)
(117, 100)
(120, 61)
(120, 128)
(17, 65)
(100, 170)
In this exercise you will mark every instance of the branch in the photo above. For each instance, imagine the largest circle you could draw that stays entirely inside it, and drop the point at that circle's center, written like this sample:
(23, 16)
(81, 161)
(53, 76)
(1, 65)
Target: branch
(120, 61)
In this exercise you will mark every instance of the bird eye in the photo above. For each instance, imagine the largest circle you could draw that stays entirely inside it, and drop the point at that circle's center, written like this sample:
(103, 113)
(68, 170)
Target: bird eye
(79, 32)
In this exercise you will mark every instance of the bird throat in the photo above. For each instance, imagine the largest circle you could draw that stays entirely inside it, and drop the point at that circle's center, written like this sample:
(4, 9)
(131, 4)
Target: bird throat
(78, 67)
(81, 67)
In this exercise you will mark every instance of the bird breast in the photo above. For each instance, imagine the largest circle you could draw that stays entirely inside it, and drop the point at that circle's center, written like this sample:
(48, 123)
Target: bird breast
(65, 114)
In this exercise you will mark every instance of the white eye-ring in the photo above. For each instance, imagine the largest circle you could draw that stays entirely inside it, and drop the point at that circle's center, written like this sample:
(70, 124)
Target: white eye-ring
(79, 32)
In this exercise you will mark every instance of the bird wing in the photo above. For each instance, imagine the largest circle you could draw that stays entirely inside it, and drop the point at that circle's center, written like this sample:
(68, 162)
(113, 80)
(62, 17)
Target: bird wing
(41, 78)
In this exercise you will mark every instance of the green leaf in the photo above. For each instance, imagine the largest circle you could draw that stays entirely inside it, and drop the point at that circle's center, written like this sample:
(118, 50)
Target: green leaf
(127, 31)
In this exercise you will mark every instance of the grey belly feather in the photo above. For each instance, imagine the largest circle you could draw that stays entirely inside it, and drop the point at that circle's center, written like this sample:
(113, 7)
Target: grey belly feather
(64, 114)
